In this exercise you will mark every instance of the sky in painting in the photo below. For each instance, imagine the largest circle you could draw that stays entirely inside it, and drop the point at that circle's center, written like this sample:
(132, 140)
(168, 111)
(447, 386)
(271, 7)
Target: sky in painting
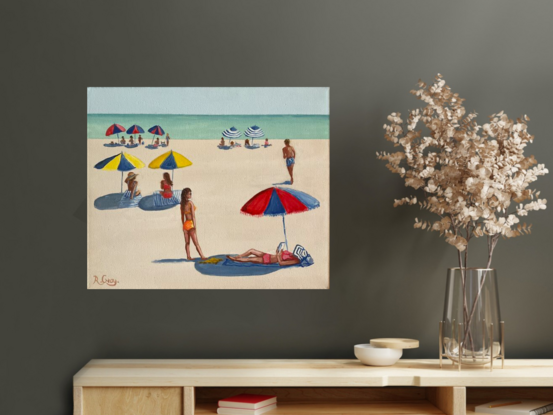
(209, 101)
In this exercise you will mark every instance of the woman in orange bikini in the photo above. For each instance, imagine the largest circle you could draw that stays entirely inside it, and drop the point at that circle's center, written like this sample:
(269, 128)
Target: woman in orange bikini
(283, 258)
(188, 218)
(166, 186)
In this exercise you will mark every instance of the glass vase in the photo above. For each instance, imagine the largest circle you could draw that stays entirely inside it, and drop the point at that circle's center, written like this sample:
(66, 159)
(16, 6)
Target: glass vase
(471, 332)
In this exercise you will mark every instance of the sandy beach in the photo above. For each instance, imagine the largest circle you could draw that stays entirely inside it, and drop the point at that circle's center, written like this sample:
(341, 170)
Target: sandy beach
(123, 244)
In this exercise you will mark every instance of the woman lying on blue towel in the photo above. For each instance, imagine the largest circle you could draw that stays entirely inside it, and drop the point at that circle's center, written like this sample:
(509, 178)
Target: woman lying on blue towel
(282, 257)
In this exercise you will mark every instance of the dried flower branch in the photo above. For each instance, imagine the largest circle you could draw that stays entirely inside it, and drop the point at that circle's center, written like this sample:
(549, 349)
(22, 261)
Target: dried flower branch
(475, 178)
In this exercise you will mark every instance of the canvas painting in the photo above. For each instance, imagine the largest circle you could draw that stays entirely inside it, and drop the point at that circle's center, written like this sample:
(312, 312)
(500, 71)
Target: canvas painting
(208, 188)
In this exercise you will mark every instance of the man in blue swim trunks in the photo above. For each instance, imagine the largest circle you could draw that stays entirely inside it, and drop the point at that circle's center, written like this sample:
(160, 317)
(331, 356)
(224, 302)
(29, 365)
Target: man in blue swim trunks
(289, 153)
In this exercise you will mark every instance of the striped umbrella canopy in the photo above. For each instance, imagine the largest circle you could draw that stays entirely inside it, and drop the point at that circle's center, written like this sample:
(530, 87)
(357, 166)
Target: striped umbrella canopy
(232, 132)
(135, 129)
(115, 129)
(121, 162)
(254, 132)
(170, 161)
(277, 201)
(156, 130)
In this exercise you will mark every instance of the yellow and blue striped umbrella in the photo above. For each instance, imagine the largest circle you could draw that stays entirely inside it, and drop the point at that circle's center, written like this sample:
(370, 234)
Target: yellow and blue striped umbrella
(121, 162)
(170, 161)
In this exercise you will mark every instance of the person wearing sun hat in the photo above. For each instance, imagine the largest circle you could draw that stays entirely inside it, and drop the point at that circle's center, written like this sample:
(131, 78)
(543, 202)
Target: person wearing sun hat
(132, 184)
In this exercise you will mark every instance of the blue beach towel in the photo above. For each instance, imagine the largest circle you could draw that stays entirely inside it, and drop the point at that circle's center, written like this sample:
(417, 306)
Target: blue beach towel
(160, 201)
(131, 145)
(111, 145)
(127, 202)
(155, 201)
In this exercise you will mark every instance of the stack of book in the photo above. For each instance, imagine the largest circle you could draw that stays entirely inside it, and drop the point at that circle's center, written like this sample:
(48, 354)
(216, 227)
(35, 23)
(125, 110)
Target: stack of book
(515, 407)
(246, 404)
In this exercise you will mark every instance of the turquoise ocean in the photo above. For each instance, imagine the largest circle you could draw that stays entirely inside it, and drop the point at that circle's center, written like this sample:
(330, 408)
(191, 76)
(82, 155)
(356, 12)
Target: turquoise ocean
(210, 127)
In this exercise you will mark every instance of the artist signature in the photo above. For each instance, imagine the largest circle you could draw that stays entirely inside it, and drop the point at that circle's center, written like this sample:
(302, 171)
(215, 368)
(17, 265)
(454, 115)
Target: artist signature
(103, 280)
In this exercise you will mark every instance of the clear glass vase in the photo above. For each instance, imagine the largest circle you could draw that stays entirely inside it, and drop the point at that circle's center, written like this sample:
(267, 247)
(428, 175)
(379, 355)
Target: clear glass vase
(471, 332)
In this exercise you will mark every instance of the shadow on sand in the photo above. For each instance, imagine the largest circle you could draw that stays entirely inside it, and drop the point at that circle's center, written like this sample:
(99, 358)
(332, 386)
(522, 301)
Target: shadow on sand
(227, 268)
(172, 260)
(147, 203)
(116, 201)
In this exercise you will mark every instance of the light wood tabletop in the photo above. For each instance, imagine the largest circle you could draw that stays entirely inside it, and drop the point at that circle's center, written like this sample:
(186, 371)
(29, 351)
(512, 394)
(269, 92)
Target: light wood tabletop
(307, 373)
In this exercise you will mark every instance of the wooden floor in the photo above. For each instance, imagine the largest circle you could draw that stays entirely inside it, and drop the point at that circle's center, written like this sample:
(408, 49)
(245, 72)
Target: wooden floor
(333, 408)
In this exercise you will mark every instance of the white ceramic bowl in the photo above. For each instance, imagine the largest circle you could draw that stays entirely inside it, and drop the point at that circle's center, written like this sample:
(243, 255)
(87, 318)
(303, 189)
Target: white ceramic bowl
(377, 356)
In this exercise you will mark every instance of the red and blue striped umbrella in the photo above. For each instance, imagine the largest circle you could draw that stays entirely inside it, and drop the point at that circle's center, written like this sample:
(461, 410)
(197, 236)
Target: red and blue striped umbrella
(156, 130)
(277, 201)
(135, 129)
(115, 129)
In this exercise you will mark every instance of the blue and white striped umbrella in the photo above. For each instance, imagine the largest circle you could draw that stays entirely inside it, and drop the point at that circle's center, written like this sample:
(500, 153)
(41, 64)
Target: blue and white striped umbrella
(232, 132)
(254, 132)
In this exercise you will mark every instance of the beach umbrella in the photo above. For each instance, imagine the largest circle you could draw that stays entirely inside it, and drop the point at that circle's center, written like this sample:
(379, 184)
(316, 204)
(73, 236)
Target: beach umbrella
(115, 129)
(231, 133)
(156, 130)
(170, 161)
(277, 201)
(121, 162)
(254, 132)
(135, 129)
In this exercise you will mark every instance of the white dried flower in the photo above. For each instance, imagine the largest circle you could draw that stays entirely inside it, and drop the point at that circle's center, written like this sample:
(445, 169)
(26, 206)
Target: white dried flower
(475, 177)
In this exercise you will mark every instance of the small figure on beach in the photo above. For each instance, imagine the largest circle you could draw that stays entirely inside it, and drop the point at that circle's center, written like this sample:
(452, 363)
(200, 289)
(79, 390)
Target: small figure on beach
(123, 140)
(131, 141)
(282, 257)
(167, 138)
(232, 143)
(247, 142)
(166, 186)
(267, 143)
(188, 218)
(132, 185)
(139, 139)
(156, 143)
(222, 142)
(289, 154)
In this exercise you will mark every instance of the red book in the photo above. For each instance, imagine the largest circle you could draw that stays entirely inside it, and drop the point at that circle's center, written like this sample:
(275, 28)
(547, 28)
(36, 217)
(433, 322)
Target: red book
(247, 401)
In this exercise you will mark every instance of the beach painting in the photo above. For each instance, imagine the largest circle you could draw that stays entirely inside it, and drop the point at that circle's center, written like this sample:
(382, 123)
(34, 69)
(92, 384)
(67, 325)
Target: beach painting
(208, 188)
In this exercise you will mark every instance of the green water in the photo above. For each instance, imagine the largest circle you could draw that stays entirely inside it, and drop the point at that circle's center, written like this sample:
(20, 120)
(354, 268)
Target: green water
(210, 127)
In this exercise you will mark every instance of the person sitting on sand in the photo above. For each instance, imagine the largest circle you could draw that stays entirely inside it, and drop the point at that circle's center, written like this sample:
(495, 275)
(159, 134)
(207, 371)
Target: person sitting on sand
(156, 143)
(222, 142)
(139, 139)
(123, 140)
(289, 153)
(131, 141)
(132, 185)
(267, 142)
(247, 142)
(166, 186)
(167, 138)
(283, 258)
(232, 143)
(112, 143)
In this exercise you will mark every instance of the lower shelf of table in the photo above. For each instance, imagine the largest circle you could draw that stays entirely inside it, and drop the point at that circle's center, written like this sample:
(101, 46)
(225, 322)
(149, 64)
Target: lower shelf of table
(333, 408)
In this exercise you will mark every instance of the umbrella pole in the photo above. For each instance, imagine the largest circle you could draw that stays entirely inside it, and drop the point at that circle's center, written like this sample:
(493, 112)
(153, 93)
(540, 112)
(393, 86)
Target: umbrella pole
(172, 176)
(121, 182)
(284, 226)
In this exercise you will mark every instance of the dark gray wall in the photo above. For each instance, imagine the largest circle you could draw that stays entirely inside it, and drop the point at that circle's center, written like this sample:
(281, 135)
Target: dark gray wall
(387, 279)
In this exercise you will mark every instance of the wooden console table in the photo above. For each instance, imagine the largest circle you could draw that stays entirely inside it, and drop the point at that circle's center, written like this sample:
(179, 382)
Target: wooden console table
(323, 387)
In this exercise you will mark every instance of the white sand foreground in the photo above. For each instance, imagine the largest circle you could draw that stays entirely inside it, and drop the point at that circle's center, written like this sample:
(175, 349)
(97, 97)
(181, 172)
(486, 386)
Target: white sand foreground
(123, 243)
